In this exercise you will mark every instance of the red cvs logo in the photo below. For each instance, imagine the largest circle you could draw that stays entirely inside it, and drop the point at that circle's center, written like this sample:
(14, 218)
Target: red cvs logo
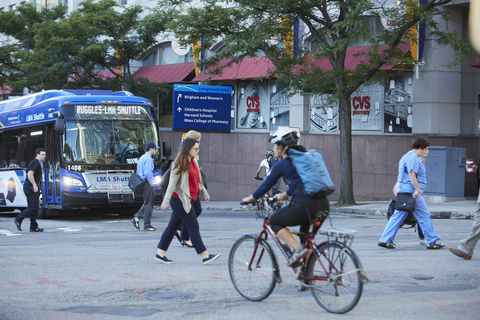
(253, 104)
(362, 103)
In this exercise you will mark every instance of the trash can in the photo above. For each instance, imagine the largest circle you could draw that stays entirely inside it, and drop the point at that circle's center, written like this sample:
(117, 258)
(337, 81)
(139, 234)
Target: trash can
(446, 172)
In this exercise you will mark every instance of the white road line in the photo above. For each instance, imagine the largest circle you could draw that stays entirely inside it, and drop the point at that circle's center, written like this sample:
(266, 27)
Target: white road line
(9, 233)
(68, 229)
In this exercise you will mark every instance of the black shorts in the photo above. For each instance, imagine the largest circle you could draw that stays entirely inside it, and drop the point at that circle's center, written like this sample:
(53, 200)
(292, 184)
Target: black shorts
(296, 214)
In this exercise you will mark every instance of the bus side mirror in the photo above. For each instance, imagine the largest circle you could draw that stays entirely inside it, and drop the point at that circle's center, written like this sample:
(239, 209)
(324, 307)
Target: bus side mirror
(167, 149)
(167, 152)
(59, 124)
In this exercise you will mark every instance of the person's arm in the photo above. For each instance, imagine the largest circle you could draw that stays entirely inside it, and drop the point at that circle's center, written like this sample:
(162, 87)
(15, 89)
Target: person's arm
(149, 172)
(32, 180)
(413, 179)
(259, 170)
(174, 176)
(275, 173)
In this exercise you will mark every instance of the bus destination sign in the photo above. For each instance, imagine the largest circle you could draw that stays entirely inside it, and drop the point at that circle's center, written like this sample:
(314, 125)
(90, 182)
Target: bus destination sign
(110, 111)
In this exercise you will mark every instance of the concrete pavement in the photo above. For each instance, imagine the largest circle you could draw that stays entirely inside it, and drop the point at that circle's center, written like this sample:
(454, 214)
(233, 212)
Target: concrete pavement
(461, 209)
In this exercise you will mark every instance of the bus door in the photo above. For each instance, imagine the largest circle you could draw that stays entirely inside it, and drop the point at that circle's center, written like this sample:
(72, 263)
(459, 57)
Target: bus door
(52, 167)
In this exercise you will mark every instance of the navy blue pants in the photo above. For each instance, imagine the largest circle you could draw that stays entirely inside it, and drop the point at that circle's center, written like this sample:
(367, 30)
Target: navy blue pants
(189, 220)
(198, 210)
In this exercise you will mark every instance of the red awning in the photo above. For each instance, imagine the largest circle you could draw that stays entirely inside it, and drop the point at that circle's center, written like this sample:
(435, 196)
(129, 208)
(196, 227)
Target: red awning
(249, 68)
(351, 60)
(102, 74)
(169, 73)
(476, 64)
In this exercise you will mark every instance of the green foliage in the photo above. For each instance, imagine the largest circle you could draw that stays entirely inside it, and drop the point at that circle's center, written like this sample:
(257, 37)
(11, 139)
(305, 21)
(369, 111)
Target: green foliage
(245, 27)
(45, 49)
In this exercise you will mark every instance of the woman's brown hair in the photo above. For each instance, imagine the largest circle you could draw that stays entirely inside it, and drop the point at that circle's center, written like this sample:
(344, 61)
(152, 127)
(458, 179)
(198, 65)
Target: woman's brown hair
(181, 160)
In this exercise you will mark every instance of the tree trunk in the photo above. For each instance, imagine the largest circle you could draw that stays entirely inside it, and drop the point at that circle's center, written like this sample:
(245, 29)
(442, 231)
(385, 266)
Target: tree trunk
(346, 177)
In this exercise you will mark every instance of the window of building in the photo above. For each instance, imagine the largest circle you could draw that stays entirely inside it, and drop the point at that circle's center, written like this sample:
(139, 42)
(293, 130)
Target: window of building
(165, 55)
(398, 104)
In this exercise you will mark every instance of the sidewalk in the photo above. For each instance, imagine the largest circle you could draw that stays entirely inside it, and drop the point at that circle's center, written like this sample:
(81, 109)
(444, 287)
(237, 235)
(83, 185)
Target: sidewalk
(464, 209)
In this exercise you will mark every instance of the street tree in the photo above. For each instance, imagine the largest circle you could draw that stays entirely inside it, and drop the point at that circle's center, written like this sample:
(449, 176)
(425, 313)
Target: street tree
(52, 49)
(246, 28)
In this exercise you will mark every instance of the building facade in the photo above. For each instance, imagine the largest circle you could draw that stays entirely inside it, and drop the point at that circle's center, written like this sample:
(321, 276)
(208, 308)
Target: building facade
(434, 101)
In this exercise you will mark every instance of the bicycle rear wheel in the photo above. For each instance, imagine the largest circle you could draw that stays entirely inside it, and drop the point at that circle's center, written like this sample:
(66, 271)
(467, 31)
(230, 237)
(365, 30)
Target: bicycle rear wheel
(256, 282)
(335, 280)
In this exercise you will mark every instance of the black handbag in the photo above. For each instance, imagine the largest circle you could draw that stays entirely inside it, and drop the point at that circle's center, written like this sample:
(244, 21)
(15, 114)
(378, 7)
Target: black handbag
(204, 178)
(410, 219)
(405, 202)
(136, 183)
(165, 180)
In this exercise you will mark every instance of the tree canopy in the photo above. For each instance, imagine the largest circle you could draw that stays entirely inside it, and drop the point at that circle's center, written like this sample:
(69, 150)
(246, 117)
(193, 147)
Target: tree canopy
(54, 49)
(246, 27)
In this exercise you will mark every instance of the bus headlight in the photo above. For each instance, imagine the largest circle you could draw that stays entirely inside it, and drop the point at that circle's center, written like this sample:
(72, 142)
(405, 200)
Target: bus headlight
(156, 180)
(72, 182)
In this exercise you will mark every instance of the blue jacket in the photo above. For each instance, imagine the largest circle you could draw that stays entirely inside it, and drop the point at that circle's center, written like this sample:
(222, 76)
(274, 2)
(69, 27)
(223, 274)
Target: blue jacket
(145, 167)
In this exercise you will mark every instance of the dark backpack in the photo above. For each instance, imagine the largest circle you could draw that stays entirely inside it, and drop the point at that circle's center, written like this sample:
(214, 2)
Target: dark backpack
(271, 161)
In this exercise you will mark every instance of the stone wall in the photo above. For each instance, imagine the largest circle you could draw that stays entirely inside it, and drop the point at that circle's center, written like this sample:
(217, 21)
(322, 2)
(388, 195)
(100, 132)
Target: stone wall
(230, 161)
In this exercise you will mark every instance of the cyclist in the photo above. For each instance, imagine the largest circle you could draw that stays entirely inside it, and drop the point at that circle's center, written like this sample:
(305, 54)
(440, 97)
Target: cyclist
(268, 163)
(296, 212)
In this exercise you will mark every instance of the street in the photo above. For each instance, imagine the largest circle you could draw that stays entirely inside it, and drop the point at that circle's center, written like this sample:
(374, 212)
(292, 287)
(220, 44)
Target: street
(101, 267)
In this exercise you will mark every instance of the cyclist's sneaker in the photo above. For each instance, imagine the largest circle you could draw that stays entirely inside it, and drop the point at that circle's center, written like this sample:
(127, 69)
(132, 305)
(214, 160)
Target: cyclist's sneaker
(297, 255)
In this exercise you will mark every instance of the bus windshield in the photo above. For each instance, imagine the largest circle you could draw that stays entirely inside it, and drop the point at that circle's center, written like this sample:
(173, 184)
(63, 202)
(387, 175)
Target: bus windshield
(113, 142)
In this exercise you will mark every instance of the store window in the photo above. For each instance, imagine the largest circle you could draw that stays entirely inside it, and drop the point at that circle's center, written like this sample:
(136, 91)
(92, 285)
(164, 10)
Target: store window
(398, 102)
(279, 106)
(253, 105)
(165, 55)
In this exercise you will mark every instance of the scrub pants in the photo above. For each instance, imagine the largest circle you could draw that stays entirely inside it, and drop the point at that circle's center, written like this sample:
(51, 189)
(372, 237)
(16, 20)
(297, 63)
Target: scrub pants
(424, 220)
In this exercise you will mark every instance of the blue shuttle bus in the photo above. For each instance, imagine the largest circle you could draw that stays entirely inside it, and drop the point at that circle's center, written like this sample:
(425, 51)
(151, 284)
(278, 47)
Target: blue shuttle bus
(93, 140)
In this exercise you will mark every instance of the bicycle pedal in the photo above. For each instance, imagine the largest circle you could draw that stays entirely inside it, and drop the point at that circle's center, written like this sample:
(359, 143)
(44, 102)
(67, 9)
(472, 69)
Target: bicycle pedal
(297, 264)
(302, 288)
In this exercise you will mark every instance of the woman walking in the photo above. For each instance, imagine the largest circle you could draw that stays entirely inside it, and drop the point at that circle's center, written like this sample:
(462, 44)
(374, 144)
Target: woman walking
(182, 233)
(412, 179)
(183, 189)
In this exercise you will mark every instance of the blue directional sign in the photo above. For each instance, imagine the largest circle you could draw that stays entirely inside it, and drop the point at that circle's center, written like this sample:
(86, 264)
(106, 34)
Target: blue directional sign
(199, 107)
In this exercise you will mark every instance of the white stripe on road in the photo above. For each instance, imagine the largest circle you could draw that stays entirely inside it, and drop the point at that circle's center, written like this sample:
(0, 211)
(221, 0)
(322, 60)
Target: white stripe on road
(9, 233)
(68, 229)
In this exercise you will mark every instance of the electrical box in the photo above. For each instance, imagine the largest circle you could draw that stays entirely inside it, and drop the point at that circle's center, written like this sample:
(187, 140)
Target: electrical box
(446, 172)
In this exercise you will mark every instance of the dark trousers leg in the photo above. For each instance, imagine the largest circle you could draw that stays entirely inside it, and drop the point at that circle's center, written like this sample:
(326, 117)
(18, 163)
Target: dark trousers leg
(32, 210)
(197, 205)
(147, 209)
(191, 223)
(169, 231)
(420, 233)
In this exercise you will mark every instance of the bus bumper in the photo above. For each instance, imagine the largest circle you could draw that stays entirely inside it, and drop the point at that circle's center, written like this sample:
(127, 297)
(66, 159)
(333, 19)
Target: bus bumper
(75, 199)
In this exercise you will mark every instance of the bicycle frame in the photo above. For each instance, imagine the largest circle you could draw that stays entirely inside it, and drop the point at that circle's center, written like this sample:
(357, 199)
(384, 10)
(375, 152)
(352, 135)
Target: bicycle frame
(267, 230)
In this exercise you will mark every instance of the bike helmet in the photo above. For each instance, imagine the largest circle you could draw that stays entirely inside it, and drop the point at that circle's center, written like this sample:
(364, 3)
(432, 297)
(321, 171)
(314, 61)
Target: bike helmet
(269, 153)
(284, 137)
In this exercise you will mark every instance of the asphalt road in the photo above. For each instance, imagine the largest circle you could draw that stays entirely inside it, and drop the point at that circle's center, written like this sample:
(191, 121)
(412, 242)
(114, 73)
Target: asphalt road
(100, 267)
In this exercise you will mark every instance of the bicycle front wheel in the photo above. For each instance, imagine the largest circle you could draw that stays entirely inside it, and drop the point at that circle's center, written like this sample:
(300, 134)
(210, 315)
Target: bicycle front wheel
(255, 281)
(334, 278)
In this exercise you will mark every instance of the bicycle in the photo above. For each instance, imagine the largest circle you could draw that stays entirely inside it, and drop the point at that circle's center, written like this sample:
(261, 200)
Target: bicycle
(332, 272)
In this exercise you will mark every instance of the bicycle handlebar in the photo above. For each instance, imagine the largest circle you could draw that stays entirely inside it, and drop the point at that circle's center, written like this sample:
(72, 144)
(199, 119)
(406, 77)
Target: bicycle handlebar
(269, 200)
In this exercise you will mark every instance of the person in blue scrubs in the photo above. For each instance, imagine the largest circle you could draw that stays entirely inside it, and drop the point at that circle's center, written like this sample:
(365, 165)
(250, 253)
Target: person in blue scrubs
(412, 179)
